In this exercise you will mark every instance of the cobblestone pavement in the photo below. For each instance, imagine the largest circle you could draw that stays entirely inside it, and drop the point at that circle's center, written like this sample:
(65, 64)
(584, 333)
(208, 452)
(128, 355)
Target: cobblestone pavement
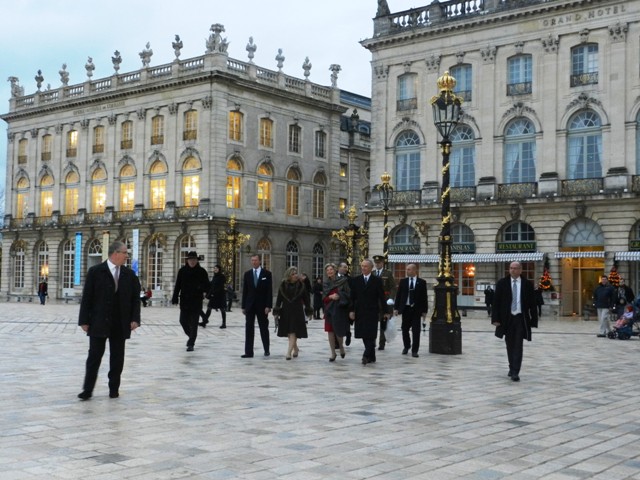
(210, 414)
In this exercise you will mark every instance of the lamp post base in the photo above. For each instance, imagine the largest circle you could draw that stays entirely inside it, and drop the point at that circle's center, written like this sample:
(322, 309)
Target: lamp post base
(445, 338)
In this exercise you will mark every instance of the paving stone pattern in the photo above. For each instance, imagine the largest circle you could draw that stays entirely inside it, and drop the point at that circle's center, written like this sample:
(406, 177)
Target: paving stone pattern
(209, 414)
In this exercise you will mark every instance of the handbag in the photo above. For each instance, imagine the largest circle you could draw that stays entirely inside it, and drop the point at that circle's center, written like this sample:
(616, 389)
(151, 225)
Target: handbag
(391, 330)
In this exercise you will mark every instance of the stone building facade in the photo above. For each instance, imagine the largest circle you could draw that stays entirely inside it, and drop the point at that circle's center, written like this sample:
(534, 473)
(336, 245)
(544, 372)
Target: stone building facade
(164, 156)
(545, 162)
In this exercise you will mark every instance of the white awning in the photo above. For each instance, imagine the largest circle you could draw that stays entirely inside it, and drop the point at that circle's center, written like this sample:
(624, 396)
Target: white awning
(628, 256)
(470, 258)
(594, 254)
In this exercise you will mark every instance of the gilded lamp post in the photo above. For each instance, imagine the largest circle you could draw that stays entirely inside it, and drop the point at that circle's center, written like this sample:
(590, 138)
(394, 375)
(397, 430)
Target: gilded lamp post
(229, 242)
(386, 193)
(353, 238)
(445, 334)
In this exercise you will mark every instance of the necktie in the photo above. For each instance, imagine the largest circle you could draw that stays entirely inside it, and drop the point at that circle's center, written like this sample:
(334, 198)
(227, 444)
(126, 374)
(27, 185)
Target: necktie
(411, 292)
(255, 277)
(366, 279)
(116, 276)
(514, 297)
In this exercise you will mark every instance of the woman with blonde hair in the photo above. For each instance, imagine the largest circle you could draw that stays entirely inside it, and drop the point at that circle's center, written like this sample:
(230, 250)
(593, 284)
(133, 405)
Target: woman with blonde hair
(336, 297)
(291, 310)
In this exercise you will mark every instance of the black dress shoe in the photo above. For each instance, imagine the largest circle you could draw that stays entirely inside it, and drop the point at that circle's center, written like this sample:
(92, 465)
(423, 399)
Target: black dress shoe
(365, 360)
(515, 377)
(347, 342)
(381, 347)
(266, 354)
(223, 326)
(510, 374)
(246, 356)
(190, 348)
(414, 354)
(114, 394)
(405, 351)
(84, 395)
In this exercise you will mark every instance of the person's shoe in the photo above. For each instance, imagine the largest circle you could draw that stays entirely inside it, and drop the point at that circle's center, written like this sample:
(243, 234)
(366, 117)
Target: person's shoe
(224, 325)
(332, 358)
(84, 395)
(114, 394)
(601, 335)
(347, 342)
(515, 377)
(203, 324)
(190, 348)
(246, 356)
(365, 360)
(287, 357)
(510, 374)
(296, 351)
(381, 347)
(405, 351)
(414, 354)
(266, 354)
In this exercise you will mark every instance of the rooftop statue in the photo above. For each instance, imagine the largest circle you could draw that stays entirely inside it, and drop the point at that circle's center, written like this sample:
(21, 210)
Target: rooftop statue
(16, 89)
(145, 55)
(215, 43)
(177, 46)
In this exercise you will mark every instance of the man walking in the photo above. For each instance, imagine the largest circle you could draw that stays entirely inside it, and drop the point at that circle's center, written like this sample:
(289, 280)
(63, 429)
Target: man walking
(514, 312)
(192, 283)
(110, 309)
(604, 301)
(412, 303)
(389, 286)
(257, 301)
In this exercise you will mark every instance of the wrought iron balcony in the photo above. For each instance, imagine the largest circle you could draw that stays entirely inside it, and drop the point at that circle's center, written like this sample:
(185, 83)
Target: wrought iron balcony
(584, 186)
(516, 190)
(522, 88)
(584, 79)
(407, 104)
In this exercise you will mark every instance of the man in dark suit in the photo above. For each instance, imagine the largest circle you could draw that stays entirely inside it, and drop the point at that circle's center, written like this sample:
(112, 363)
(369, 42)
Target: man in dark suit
(514, 312)
(257, 301)
(412, 303)
(110, 309)
(389, 286)
(368, 302)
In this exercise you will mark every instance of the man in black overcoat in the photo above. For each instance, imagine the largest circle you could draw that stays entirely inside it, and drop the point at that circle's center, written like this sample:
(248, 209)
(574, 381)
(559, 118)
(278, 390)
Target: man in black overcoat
(513, 316)
(257, 302)
(412, 303)
(110, 309)
(367, 303)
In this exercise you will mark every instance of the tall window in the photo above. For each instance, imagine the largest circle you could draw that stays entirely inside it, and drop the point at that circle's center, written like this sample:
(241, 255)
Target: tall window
(463, 75)
(520, 152)
(407, 98)
(98, 139)
(42, 261)
(191, 182)
(584, 65)
(293, 191)
(127, 188)
(235, 126)
(265, 174)
(71, 184)
(463, 236)
(266, 132)
(158, 184)
(126, 135)
(99, 190)
(584, 146)
(408, 161)
(18, 267)
(190, 131)
(520, 71)
(46, 195)
(47, 144)
(234, 170)
(317, 265)
(22, 197)
(157, 130)
(264, 251)
(319, 188)
(72, 144)
(463, 157)
(292, 254)
(68, 264)
(295, 134)
(518, 232)
(320, 144)
(22, 151)
(155, 252)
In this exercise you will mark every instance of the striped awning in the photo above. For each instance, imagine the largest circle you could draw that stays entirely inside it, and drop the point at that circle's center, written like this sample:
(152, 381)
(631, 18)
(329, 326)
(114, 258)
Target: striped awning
(594, 254)
(470, 258)
(628, 256)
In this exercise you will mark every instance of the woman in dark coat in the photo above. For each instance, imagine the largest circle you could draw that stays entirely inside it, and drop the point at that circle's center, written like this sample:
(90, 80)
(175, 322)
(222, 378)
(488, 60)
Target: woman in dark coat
(217, 296)
(291, 310)
(317, 298)
(336, 297)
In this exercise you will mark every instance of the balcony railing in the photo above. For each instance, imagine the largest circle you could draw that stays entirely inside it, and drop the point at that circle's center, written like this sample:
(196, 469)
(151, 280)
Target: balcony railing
(523, 88)
(99, 148)
(45, 156)
(407, 104)
(465, 95)
(463, 194)
(584, 186)
(516, 190)
(157, 139)
(22, 159)
(584, 79)
(72, 152)
(190, 135)
(126, 144)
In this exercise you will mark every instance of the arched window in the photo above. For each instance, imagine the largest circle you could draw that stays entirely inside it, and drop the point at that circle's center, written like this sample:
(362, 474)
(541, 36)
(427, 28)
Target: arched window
(407, 161)
(98, 190)
(292, 254)
(42, 263)
(127, 188)
(94, 253)
(264, 251)
(22, 197)
(584, 150)
(317, 267)
(293, 191)
(191, 182)
(234, 170)
(463, 157)
(463, 237)
(520, 152)
(158, 184)
(236, 132)
(265, 174)
(71, 183)
(68, 264)
(319, 188)
(46, 195)
(187, 244)
(518, 232)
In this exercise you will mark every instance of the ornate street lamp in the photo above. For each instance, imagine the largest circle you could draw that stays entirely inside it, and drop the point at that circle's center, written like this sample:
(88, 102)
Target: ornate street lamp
(386, 194)
(445, 334)
(230, 241)
(354, 239)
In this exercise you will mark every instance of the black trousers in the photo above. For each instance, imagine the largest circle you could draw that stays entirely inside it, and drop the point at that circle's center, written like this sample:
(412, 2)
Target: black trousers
(189, 321)
(250, 327)
(97, 347)
(411, 322)
(369, 348)
(514, 338)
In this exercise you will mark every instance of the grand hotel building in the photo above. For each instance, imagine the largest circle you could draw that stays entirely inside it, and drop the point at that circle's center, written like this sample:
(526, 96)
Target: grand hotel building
(164, 156)
(545, 164)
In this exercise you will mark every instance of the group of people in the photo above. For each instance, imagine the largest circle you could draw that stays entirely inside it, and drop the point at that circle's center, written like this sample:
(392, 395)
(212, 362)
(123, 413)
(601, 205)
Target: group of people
(609, 300)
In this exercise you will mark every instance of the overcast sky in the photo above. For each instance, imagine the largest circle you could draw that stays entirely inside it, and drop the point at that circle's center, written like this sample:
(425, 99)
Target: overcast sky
(44, 34)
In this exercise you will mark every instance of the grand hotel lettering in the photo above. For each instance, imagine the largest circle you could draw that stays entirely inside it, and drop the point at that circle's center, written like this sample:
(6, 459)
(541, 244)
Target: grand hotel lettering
(585, 16)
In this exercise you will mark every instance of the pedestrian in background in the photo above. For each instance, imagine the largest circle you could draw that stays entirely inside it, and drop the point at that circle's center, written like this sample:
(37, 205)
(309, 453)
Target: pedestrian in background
(192, 283)
(317, 298)
(43, 291)
(604, 299)
(336, 297)
(217, 297)
(488, 298)
(291, 310)
(389, 286)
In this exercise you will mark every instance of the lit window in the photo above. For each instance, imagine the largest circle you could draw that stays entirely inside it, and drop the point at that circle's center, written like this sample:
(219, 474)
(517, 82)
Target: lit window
(191, 182)
(342, 204)
(190, 125)
(293, 191)
(264, 188)
(98, 191)
(126, 137)
(98, 139)
(127, 188)
(343, 170)
(46, 196)
(233, 183)
(71, 193)
(235, 126)
(157, 130)
(22, 197)
(22, 151)
(72, 144)
(266, 132)
(319, 188)
(47, 142)
(158, 185)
